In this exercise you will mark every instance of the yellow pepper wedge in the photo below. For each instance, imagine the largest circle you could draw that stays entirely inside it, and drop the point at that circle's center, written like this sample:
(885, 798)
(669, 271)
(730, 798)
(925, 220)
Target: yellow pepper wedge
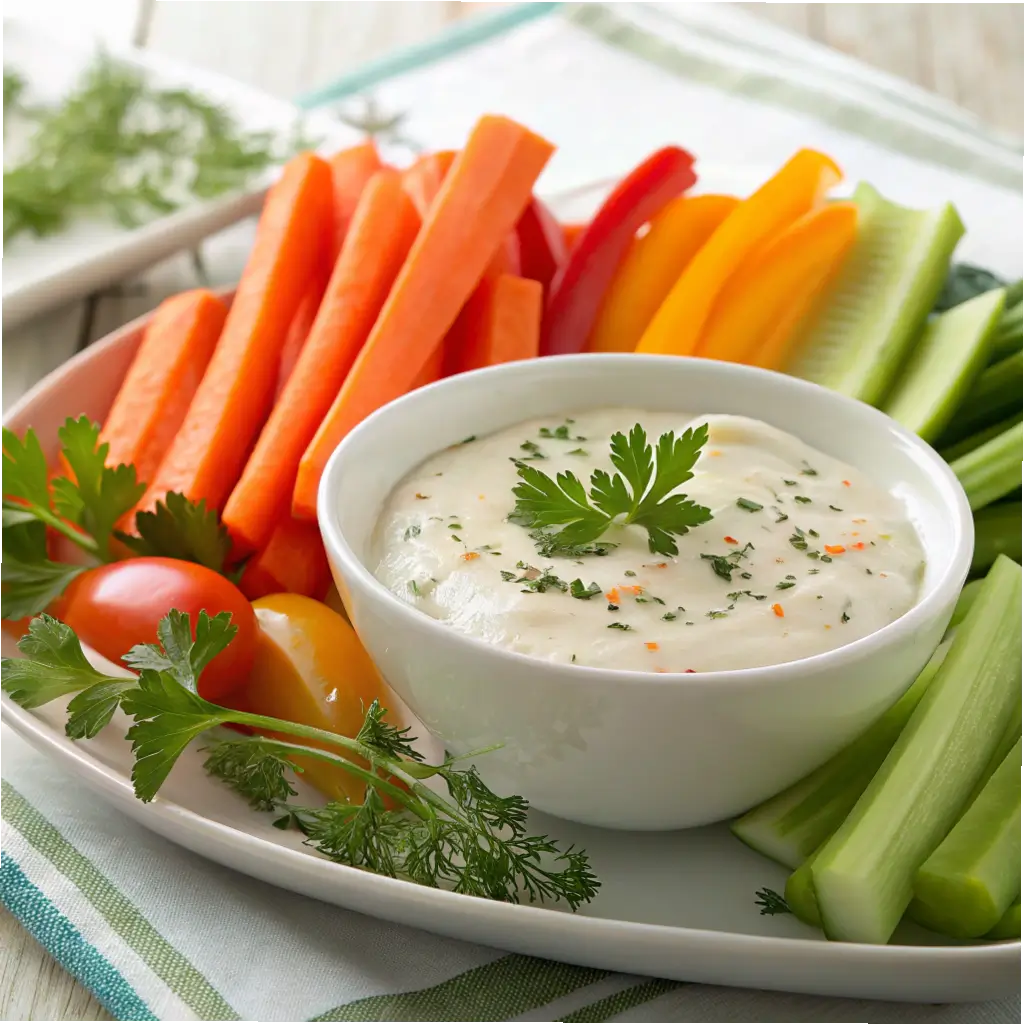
(756, 313)
(797, 188)
(652, 265)
(311, 668)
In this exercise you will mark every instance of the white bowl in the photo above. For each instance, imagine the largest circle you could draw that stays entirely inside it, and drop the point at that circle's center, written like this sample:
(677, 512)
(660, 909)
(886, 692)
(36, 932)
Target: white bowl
(636, 750)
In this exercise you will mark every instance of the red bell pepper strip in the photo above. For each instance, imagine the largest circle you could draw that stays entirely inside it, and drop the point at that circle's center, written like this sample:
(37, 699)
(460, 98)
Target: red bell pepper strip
(578, 287)
(541, 243)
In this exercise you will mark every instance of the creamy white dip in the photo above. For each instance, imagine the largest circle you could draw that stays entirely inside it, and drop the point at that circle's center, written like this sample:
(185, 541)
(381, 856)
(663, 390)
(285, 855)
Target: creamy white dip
(817, 554)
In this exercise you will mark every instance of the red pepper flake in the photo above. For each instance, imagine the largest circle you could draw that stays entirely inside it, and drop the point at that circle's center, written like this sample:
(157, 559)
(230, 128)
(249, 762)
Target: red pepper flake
(693, 670)
(777, 608)
(859, 546)
(630, 590)
(731, 540)
(834, 549)
(884, 575)
(470, 555)
(613, 596)
(846, 483)
(651, 645)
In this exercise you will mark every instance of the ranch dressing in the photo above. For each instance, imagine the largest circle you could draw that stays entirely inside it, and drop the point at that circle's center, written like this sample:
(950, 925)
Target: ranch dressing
(804, 554)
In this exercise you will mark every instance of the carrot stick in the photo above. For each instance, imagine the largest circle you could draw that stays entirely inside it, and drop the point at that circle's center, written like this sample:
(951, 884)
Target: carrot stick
(155, 395)
(433, 369)
(423, 180)
(571, 232)
(482, 197)
(651, 267)
(502, 323)
(293, 562)
(351, 171)
(793, 191)
(235, 395)
(378, 240)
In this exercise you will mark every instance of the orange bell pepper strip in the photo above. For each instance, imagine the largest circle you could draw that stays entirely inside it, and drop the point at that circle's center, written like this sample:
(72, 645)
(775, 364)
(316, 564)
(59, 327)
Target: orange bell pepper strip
(798, 187)
(652, 265)
(571, 233)
(754, 319)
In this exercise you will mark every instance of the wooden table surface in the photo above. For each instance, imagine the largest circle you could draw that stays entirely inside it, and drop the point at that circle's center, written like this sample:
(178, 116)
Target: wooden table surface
(972, 54)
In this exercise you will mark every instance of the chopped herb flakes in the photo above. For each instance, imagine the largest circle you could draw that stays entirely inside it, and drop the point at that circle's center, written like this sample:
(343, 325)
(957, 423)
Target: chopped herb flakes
(414, 588)
(579, 451)
(789, 483)
(808, 470)
(559, 433)
(670, 616)
(750, 506)
(784, 585)
(534, 580)
(577, 589)
(422, 497)
(737, 594)
(780, 516)
(835, 508)
(411, 531)
(467, 440)
(714, 614)
(802, 499)
(455, 526)
(620, 625)
(629, 572)
(533, 451)
(798, 539)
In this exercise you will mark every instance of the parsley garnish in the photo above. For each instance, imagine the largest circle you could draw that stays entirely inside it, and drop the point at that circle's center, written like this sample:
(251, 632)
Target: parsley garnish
(807, 470)
(715, 614)
(798, 539)
(534, 580)
(462, 836)
(410, 532)
(620, 625)
(640, 493)
(784, 585)
(533, 450)
(835, 508)
(801, 499)
(579, 451)
(771, 902)
(560, 433)
(726, 565)
(750, 506)
(577, 589)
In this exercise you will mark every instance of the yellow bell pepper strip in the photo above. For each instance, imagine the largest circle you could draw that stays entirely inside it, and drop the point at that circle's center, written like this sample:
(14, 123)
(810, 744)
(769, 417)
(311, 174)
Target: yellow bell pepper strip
(580, 283)
(756, 313)
(797, 188)
(652, 265)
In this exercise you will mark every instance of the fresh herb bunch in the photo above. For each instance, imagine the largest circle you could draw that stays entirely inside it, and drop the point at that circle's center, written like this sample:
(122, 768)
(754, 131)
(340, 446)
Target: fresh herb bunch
(85, 507)
(641, 493)
(119, 147)
(470, 840)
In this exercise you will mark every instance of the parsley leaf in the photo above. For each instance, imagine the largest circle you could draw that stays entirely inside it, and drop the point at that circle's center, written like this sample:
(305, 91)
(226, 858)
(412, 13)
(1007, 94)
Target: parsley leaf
(177, 528)
(640, 492)
(577, 589)
(177, 653)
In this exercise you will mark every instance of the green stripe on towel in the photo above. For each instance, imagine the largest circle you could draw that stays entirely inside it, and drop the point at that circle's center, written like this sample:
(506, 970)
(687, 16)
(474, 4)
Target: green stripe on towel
(167, 963)
(620, 1002)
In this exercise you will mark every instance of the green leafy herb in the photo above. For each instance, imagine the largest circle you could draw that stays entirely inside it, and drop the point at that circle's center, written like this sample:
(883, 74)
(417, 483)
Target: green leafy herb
(784, 585)
(771, 902)
(798, 539)
(737, 594)
(533, 449)
(559, 433)
(119, 147)
(177, 528)
(670, 616)
(549, 546)
(717, 614)
(577, 589)
(579, 451)
(835, 509)
(789, 483)
(640, 493)
(802, 499)
(807, 470)
(467, 838)
(536, 581)
(964, 281)
(750, 506)
(620, 625)
(411, 531)
(780, 516)
(726, 565)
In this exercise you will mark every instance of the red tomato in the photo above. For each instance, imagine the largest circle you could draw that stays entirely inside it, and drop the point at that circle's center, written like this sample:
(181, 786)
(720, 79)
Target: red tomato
(116, 606)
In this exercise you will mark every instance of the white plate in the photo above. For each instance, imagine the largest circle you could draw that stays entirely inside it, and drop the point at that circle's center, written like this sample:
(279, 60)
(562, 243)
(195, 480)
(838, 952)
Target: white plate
(674, 905)
(91, 254)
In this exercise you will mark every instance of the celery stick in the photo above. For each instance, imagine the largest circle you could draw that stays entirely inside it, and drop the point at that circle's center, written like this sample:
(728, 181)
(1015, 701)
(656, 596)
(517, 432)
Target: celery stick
(997, 531)
(947, 358)
(800, 893)
(968, 444)
(969, 882)
(1008, 926)
(857, 339)
(1008, 335)
(863, 877)
(967, 598)
(789, 827)
(995, 396)
(993, 470)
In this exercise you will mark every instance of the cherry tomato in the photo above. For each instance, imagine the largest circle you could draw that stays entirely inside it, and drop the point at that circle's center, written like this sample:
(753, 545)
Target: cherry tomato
(311, 668)
(116, 606)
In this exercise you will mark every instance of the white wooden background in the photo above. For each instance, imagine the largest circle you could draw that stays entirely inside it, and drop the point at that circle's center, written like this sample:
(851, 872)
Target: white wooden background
(972, 54)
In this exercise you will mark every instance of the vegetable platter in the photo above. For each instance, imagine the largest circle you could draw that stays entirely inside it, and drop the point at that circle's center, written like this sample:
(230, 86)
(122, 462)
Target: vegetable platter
(164, 569)
(131, 198)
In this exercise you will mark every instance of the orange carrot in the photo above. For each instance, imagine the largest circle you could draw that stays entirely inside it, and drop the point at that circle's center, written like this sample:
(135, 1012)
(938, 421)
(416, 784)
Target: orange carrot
(235, 395)
(378, 240)
(570, 232)
(301, 325)
(479, 203)
(423, 180)
(293, 562)
(155, 395)
(501, 323)
(351, 171)
(433, 369)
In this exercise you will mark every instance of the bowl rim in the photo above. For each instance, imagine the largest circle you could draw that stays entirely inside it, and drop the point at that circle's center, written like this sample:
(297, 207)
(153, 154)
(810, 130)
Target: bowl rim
(925, 607)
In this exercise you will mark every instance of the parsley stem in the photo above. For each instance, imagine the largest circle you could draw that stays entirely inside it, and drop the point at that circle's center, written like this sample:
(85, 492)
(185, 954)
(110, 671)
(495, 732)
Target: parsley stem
(85, 542)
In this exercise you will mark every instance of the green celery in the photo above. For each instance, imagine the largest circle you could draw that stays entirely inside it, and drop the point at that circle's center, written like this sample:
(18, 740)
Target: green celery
(994, 470)
(863, 876)
(968, 444)
(790, 826)
(800, 892)
(995, 396)
(967, 598)
(947, 358)
(858, 339)
(997, 531)
(970, 881)
(1008, 926)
